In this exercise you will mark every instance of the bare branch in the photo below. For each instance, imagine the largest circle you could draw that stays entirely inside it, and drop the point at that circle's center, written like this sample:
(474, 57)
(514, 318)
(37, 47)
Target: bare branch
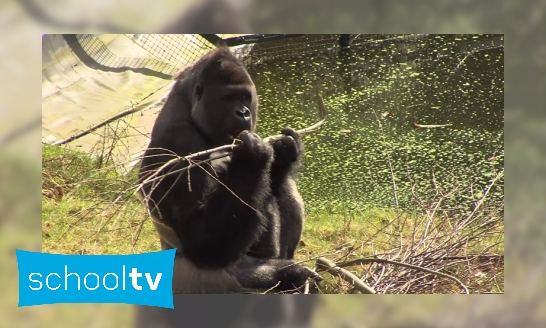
(376, 260)
(333, 269)
(323, 114)
(480, 202)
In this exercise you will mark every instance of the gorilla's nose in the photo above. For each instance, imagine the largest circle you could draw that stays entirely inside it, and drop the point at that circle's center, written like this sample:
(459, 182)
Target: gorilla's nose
(243, 112)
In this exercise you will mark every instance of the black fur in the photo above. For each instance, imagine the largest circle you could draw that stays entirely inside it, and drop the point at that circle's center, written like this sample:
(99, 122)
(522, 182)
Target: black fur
(237, 219)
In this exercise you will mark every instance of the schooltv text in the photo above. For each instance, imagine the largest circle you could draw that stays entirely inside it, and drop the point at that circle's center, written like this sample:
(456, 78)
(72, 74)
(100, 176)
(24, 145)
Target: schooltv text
(143, 279)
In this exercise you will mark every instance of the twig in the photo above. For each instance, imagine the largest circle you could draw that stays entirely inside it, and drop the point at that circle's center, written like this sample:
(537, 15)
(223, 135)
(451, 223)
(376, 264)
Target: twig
(473, 257)
(388, 161)
(333, 269)
(323, 113)
(459, 65)
(231, 191)
(462, 61)
(308, 282)
(272, 288)
(139, 230)
(480, 202)
(415, 267)
(430, 126)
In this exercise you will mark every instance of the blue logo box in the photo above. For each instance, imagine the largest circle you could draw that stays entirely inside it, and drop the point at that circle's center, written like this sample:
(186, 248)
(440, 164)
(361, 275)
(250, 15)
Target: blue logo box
(141, 279)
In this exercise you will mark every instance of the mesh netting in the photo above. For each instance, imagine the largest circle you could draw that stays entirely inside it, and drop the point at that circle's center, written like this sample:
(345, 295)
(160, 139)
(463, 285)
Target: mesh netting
(169, 53)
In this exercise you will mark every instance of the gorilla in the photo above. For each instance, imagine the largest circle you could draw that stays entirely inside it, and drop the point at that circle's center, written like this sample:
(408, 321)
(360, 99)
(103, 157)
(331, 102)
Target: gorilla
(236, 220)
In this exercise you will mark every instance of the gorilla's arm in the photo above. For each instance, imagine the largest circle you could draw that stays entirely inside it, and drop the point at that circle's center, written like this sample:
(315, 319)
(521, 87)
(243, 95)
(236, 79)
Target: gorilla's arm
(214, 240)
(215, 227)
(288, 152)
(216, 234)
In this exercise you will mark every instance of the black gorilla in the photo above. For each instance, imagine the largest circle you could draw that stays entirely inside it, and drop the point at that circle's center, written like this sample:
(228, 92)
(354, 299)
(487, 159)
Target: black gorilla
(235, 221)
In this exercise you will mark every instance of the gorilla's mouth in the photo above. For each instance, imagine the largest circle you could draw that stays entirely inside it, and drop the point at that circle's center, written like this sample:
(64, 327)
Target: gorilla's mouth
(234, 134)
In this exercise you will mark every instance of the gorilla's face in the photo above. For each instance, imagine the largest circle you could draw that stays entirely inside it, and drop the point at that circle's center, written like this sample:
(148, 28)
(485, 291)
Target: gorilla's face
(224, 103)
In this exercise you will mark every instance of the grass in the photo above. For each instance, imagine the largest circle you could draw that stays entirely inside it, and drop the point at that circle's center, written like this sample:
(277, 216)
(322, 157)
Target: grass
(99, 213)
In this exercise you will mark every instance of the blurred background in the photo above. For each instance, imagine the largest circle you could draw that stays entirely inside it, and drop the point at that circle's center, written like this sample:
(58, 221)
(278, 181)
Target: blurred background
(525, 63)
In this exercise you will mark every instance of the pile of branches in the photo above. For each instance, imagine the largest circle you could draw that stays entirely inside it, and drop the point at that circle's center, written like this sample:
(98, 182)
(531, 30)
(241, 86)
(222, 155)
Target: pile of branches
(435, 252)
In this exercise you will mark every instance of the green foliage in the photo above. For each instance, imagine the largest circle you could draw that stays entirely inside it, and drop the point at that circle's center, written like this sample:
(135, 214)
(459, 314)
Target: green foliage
(347, 160)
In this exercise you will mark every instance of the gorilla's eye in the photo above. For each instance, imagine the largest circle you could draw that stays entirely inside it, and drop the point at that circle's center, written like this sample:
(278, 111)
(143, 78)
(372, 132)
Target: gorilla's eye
(245, 97)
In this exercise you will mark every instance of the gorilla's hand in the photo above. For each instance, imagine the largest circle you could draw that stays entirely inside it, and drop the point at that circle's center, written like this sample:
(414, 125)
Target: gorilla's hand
(288, 149)
(252, 152)
(293, 277)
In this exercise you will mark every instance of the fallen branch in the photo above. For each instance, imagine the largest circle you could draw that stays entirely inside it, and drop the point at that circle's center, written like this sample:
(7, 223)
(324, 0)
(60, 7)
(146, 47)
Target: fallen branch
(430, 126)
(411, 266)
(333, 269)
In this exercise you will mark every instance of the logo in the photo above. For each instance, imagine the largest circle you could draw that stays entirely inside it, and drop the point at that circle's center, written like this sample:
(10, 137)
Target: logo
(141, 279)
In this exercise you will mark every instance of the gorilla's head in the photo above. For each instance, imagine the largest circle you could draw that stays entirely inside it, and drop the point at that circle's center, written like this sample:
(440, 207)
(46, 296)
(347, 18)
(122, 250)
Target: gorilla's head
(224, 99)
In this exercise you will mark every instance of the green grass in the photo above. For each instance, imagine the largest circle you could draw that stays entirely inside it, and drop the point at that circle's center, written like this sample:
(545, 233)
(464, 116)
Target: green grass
(99, 213)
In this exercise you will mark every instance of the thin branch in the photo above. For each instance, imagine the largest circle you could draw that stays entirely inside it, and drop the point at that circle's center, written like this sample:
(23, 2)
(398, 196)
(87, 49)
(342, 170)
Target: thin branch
(415, 267)
(462, 61)
(459, 65)
(388, 161)
(431, 126)
(323, 114)
(272, 288)
(308, 283)
(95, 127)
(480, 202)
(333, 269)
(231, 191)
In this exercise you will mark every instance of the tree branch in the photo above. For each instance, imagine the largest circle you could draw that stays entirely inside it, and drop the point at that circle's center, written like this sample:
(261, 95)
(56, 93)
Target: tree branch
(415, 267)
(335, 270)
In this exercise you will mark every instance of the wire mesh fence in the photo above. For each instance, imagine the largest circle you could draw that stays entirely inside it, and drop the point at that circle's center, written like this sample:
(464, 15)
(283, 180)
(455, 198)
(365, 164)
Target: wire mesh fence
(171, 52)
(99, 52)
